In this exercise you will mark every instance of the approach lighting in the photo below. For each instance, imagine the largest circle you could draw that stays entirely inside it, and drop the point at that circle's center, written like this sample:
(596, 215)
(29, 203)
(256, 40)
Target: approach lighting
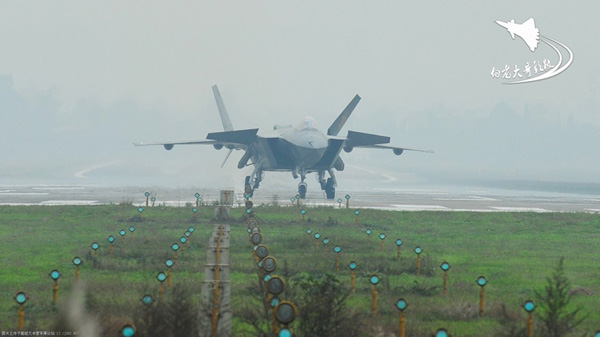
(374, 279)
(401, 304)
(21, 297)
(529, 306)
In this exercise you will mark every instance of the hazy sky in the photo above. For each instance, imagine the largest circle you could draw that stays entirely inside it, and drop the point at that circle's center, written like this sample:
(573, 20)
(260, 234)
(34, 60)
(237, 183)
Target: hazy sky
(81, 81)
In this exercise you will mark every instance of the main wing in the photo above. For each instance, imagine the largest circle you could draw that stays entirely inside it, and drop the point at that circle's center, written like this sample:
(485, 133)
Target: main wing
(366, 140)
(239, 140)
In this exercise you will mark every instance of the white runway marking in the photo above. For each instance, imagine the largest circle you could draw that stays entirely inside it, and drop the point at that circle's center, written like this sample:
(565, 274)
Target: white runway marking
(521, 209)
(419, 207)
(68, 202)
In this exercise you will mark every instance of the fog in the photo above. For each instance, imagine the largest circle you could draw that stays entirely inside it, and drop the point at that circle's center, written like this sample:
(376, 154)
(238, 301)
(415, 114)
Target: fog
(80, 82)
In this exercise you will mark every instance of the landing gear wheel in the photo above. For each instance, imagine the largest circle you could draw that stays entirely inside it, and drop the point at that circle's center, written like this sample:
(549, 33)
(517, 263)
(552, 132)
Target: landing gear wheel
(330, 189)
(302, 190)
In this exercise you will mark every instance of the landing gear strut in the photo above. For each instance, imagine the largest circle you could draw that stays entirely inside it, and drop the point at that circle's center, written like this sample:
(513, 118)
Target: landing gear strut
(327, 185)
(302, 187)
(252, 182)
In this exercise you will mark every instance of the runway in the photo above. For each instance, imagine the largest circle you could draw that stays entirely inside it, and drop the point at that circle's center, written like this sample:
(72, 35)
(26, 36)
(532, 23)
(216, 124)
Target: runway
(447, 198)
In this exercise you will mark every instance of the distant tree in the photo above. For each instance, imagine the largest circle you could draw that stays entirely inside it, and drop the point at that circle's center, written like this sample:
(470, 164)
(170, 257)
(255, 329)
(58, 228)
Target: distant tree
(558, 320)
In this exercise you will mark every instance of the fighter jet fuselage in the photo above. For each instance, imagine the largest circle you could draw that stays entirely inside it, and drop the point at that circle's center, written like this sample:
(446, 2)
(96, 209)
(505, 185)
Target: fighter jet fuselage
(300, 149)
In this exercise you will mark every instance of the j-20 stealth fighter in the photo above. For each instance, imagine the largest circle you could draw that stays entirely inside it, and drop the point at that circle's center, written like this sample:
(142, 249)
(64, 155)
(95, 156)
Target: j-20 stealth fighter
(301, 150)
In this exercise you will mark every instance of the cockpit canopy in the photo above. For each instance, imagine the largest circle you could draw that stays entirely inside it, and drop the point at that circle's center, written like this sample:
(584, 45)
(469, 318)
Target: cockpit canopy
(307, 123)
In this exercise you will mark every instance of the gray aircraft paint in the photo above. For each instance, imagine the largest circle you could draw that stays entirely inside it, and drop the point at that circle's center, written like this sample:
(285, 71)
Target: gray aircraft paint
(301, 150)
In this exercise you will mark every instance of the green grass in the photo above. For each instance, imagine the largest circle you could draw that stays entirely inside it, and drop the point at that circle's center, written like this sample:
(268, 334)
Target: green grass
(515, 251)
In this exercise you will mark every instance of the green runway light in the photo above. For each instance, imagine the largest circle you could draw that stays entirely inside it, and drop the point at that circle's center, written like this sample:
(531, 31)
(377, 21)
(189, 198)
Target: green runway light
(369, 232)
(445, 266)
(303, 211)
(191, 229)
(21, 297)
(441, 333)
(339, 200)
(161, 276)
(382, 236)
(248, 211)
(140, 209)
(267, 278)
(95, 246)
(401, 304)
(55, 275)
(182, 240)
(597, 334)
(131, 229)
(347, 197)
(195, 210)
(122, 232)
(374, 279)
(147, 299)
(274, 301)
(128, 331)
(529, 306)
(481, 281)
(326, 241)
(77, 261)
(297, 196)
(398, 242)
(337, 249)
(111, 239)
(169, 263)
(247, 196)
(153, 199)
(187, 234)
(285, 332)
(317, 236)
(357, 212)
(175, 246)
(293, 200)
(418, 250)
(309, 231)
(147, 194)
(197, 195)
(352, 265)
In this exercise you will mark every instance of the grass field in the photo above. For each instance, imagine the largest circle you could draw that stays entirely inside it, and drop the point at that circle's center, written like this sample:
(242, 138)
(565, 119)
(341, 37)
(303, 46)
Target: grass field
(515, 251)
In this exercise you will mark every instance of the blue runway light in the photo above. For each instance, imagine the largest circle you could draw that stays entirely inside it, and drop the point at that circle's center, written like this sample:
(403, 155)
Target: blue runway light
(21, 297)
(401, 304)
(374, 279)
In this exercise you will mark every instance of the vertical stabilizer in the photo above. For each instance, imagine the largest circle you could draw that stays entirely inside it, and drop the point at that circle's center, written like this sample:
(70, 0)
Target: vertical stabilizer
(339, 122)
(222, 111)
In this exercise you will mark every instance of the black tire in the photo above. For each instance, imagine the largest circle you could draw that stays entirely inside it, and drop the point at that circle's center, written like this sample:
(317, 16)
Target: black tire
(329, 183)
(302, 191)
(330, 193)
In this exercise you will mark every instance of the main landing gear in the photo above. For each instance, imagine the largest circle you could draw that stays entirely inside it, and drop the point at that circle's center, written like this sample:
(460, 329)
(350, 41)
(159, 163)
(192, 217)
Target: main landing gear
(252, 182)
(327, 185)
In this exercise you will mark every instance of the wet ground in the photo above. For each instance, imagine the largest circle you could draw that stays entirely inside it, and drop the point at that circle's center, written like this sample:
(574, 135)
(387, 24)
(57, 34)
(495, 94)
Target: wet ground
(450, 198)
